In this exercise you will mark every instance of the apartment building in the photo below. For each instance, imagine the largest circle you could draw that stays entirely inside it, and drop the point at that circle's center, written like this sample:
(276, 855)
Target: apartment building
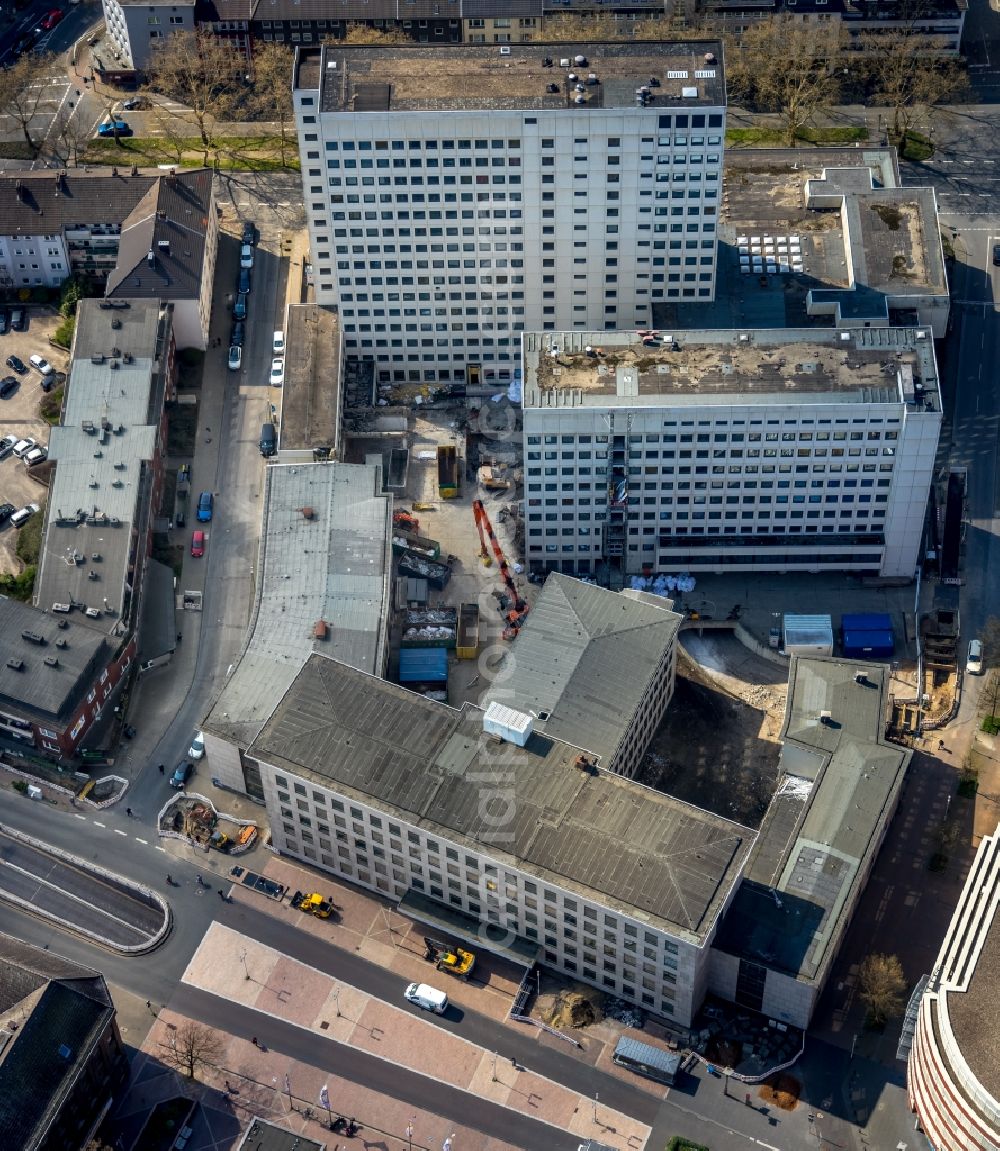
(593, 674)
(57, 223)
(509, 836)
(754, 450)
(64, 1063)
(135, 29)
(936, 25)
(79, 640)
(458, 196)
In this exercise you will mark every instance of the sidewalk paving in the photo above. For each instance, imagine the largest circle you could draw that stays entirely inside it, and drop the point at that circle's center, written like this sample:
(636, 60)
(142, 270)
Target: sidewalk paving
(241, 970)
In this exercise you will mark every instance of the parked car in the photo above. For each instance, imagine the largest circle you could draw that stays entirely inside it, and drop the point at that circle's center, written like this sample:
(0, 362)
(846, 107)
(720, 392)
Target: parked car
(996, 255)
(205, 505)
(7, 446)
(240, 308)
(6, 511)
(278, 344)
(8, 386)
(974, 664)
(197, 543)
(41, 364)
(182, 773)
(22, 447)
(35, 456)
(18, 319)
(135, 104)
(51, 20)
(243, 284)
(277, 376)
(21, 517)
(249, 233)
(239, 332)
(114, 127)
(197, 748)
(235, 357)
(246, 256)
(17, 364)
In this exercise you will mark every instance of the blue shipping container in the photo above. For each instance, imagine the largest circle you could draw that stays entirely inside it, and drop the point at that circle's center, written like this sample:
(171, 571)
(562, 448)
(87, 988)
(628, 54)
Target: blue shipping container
(866, 621)
(868, 644)
(423, 665)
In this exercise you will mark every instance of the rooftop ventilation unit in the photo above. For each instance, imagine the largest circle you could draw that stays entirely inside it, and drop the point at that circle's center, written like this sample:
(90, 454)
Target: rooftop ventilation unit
(33, 637)
(826, 717)
(51, 661)
(15, 664)
(580, 61)
(506, 723)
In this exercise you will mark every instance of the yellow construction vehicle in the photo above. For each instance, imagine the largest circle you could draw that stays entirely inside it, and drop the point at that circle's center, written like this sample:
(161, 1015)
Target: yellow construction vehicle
(314, 904)
(451, 959)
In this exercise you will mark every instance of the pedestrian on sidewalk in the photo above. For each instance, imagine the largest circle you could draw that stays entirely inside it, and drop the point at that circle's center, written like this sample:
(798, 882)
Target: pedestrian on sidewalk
(255, 1042)
(128, 812)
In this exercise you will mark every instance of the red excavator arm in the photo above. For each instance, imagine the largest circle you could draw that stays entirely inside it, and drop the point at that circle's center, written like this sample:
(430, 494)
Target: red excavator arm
(486, 531)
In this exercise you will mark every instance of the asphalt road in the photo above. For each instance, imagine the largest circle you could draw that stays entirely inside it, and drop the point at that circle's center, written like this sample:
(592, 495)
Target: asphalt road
(376, 1074)
(156, 976)
(82, 899)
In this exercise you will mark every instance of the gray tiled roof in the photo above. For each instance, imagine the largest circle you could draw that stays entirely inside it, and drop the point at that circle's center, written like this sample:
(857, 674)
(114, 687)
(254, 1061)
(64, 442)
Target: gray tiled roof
(584, 660)
(36, 203)
(334, 566)
(61, 1010)
(41, 690)
(162, 247)
(597, 834)
(826, 822)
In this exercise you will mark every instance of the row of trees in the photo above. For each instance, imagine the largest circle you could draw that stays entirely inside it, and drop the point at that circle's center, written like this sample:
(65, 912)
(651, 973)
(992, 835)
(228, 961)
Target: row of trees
(796, 70)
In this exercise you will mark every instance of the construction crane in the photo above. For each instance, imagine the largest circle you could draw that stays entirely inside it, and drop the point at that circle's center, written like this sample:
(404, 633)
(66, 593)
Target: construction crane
(516, 616)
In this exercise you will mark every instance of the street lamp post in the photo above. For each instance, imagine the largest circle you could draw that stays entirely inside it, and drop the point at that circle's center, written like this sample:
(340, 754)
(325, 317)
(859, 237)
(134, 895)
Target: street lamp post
(409, 1134)
(336, 1000)
(725, 1081)
(494, 1067)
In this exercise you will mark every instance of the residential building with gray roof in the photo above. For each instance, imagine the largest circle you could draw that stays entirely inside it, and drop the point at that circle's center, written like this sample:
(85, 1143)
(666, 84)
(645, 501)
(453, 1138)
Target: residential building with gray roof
(106, 486)
(62, 1060)
(146, 235)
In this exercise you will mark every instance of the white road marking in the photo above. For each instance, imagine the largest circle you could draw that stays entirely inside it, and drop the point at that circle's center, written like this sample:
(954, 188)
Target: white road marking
(163, 849)
(144, 842)
(96, 824)
(118, 831)
(78, 816)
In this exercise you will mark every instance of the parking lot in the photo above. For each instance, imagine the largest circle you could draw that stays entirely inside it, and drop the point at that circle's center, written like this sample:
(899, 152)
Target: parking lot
(19, 416)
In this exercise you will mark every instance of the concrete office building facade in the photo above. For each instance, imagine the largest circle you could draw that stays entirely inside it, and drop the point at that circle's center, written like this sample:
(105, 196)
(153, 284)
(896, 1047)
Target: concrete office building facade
(765, 450)
(403, 796)
(458, 196)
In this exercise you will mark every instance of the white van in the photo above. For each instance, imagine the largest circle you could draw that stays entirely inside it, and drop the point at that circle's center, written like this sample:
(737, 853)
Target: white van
(429, 998)
(974, 664)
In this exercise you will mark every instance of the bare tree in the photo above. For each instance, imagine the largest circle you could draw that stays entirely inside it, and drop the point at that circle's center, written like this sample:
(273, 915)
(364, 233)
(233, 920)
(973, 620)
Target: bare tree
(68, 137)
(786, 66)
(272, 100)
(205, 76)
(365, 34)
(192, 1045)
(883, 987)
(909, 75)
(22, 91)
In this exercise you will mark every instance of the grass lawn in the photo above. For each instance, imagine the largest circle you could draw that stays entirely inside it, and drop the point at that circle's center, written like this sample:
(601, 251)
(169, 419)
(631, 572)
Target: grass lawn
(775, 137)
(235, 153)
(916, 147)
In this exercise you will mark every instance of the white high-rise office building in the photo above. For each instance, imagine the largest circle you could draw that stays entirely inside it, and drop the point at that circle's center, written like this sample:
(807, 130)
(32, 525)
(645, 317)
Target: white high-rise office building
(459, 196)
(753, 450)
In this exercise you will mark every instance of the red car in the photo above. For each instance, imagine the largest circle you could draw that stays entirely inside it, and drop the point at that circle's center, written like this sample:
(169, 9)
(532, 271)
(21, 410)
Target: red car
(52, 19)
(198, 543)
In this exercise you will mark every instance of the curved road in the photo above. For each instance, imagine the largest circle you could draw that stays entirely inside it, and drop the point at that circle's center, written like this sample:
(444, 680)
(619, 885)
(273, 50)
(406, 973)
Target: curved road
(83, 900)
